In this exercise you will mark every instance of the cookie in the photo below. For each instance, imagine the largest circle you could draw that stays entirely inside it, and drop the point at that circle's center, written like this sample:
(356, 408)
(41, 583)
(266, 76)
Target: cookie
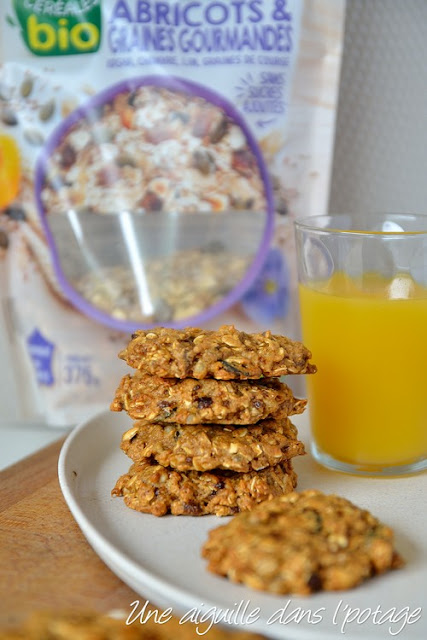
(192, 401)
(226, 354)
(152, 488)
(85, 625)
(301, 543)
(211, 446)
(46, 625)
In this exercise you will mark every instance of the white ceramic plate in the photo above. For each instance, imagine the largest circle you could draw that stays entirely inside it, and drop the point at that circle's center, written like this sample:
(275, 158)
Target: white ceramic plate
(160, 557)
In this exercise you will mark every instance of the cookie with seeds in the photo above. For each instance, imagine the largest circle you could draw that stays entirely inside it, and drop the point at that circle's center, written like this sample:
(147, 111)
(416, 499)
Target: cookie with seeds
(301, 543)
(191, 401)
(152, 488)
(209, 446)
(226, 354)
(89, 625)
(73, 625)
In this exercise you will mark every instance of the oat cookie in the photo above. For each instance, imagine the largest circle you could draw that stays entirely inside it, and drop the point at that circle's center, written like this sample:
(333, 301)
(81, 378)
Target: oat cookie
(47, 625)
(151, 488)
(192, 401)
(88, 625)
(211, 446)
(301, 543)
(226, 354)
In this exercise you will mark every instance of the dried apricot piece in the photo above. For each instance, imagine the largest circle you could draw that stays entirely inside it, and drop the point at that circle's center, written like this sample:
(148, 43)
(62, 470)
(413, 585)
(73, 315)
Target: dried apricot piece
(10, 171)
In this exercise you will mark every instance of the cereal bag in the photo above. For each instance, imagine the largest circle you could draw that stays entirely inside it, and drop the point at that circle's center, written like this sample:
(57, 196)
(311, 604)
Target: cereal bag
(153, 158)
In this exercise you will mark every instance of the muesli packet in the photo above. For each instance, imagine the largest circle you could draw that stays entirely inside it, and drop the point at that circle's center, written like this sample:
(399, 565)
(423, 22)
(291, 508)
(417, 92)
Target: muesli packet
(153, 158)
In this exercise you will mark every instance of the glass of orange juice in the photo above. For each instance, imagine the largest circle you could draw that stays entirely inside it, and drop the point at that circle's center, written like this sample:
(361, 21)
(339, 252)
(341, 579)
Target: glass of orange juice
(363, 300)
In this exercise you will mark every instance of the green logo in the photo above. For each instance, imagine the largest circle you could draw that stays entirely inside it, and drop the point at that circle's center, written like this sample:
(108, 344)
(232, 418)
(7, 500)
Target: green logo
(60, 27)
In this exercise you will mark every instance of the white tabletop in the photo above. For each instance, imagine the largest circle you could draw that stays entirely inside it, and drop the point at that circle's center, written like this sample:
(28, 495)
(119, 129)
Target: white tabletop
(18, 441)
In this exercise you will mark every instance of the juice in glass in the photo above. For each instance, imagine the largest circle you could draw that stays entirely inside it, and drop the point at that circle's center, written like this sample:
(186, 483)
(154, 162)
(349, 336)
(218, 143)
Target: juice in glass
(368, 400)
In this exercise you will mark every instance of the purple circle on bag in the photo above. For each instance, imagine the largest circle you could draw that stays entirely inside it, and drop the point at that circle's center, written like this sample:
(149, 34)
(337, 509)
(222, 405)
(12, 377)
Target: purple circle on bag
(189, 89)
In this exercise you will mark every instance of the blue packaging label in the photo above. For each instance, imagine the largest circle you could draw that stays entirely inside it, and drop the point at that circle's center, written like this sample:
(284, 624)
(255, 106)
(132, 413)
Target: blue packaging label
(41, 353)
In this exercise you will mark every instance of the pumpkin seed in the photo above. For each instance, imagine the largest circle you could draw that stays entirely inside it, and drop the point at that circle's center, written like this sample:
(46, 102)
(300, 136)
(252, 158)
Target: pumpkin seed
(232, 368)
(219, 130)
(15, 212)
(46, 111)
(124, 160)
(9, 118)
(26, 87)
(4, 240)
(204, 161)
(34, 136)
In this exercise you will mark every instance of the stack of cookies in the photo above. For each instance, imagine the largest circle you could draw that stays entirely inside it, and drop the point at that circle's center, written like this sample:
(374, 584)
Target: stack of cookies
(211, 432)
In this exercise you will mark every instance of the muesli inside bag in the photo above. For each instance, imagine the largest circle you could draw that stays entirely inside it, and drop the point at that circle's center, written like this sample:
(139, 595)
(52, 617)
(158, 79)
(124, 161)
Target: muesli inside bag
(153, 156)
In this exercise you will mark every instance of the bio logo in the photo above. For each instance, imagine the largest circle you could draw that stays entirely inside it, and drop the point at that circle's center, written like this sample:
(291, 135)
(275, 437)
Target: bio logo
(60, 27)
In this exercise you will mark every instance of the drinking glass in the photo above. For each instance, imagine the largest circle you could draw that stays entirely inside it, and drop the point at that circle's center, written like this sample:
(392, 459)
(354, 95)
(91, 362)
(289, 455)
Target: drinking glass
(363, 300)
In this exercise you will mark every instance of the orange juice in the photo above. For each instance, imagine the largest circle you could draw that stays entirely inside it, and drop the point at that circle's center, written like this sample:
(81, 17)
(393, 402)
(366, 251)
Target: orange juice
(368, 400)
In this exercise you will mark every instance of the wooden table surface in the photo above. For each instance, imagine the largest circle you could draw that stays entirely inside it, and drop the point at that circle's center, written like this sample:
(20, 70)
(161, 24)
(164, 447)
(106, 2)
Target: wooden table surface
(45, 561)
